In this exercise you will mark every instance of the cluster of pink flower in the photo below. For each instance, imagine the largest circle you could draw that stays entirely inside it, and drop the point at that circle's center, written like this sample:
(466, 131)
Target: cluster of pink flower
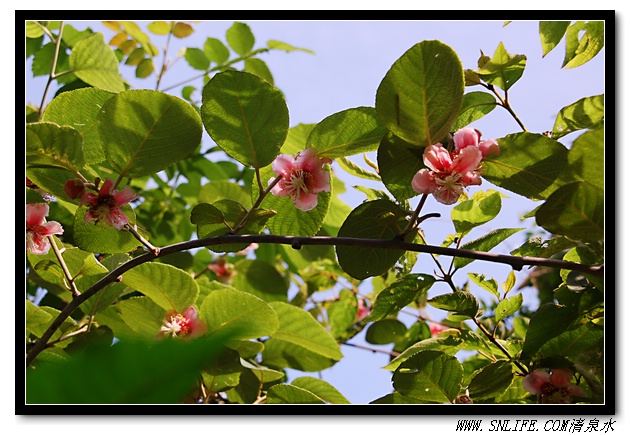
(450, 171)
(37, 229)
(302, 178)
(553, 386)
(104, 206)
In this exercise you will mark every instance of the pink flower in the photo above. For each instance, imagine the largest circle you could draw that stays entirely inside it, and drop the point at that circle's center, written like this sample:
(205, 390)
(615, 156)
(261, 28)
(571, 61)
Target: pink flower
(553, 387)
(37, 229)
(436, 328)
(74, 188)
(185, 324)
(449, 173)
(106, 205)
(362, 309)
(222, 269)
(303, 177)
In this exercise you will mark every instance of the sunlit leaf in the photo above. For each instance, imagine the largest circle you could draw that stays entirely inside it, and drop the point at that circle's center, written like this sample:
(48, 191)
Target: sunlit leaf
(95, 63)
(475, 106)
(197, 58)
(400, 294)
(260, 279)
(476, 211)
(240, 38)
(507, 307)
(246, 116)
(504, 69)
(584, 40)
(279, 45)
(585, 113)
(320, 388)
(460, 302)
(420, 96)
(385, 331)
(101, 237)
(283, 393)
(430, 375)
(258, 67)
(551, 33)
(398, 162)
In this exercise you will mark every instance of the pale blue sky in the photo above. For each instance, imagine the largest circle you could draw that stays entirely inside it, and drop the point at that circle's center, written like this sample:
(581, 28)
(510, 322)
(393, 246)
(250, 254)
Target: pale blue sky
(351, 59)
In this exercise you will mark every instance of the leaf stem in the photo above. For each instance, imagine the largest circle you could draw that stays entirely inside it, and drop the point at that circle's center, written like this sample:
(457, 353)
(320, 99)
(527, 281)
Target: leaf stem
(145, 242)
(261, 197)
(73, 288)
(503, 102)
(164, 67)
(53, 67)
(412, 222)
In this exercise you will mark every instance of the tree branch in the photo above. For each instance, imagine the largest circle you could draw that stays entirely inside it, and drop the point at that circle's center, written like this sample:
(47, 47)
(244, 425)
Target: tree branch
(297, 242)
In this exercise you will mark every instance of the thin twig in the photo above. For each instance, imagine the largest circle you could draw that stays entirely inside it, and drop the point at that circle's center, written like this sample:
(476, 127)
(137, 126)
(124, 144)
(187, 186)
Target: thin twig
(73, 288)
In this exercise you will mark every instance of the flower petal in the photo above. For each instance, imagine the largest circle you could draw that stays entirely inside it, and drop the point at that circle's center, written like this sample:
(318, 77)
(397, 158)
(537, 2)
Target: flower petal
(534, 381)
(489, 147)
(116, 218)
(282, 164)
(423, 182)
(308, 160)
(467, 160)
(437, 158)
(465, 137)
(36, 244)
(321, 181)
(50, 228)
(306, 201)
(35, 214)
(124, 196)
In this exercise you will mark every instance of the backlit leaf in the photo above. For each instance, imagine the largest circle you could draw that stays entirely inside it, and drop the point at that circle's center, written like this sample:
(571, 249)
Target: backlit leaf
(240, 38)
(475, 106)
(504, 69)
(458, 302)
(551, 33)
(400, 294)
(585, 113)
(485, 243)
(420, 96)
(283, 393)
(398, 162)
(95, 63)
(476, 211)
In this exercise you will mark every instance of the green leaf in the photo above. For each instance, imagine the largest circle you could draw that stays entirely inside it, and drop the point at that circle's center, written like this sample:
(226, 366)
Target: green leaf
(260, 279)
(395, 398)
(530, 165)
(485, 244)
(429, 375)
(398, 163)
(300, 342)
(504, 69)
(264, 374)
(246, 116)
(491, 381)
(586, 158)
(37, 320)
(33, 29)
(279, 45)
(224, 373)
(385, 331)
(342, 314)
(96, 64)
(486, 284)
(551, 33)
(129, 372)
(507, 307)
(476, 211)
(240, 38)
(289, 220)
(346, 133)
(169, 287)
(584, 40)
(420, 96)
(575, 210)
(242, 315)
(50, 145)
(449, 344)
(400, 294)
(475, 106)
(103, 238)
(197, 58)
(320, 388)
(459, 302)
(587, 112)
(79, 109)
(216, 51)
(144, 131)
(159, 27)
(570, 344)
(549, 321)
(142, 316)
(224, 189)
(380, 220)
(182, 30)
(283, 393)
(258, 67)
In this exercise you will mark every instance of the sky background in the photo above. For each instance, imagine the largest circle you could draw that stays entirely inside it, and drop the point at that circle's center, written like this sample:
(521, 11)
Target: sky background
(351, 59)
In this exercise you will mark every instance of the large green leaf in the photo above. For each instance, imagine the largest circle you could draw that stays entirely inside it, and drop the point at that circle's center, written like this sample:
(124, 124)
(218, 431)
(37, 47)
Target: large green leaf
(346, 133)
(530, 164)
(420, 96)
(575, 210)
(289, 220)
(260, 279)
(482, 208)
(491, 381)
(475, 106)
(169, 287)
(49, 145)
(96, 64)
(400, 294)
(246, 116)
(460, 302)
(570, 344)
(429, 375)
(79, 109)
(145, 131)
(504, 69)
(242, 315)
(551, 33)
(386, 331)
(143, 316)
(381, 220)
(398, 162)
(283, 393)
(586, 158)
(129, 372)
(584, 40)
(300, 342)
(585, 113)
(549, 321)
(320, 388)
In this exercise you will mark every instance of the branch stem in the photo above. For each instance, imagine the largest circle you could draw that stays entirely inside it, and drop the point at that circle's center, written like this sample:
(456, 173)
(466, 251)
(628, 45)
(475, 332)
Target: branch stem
(73, 288)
